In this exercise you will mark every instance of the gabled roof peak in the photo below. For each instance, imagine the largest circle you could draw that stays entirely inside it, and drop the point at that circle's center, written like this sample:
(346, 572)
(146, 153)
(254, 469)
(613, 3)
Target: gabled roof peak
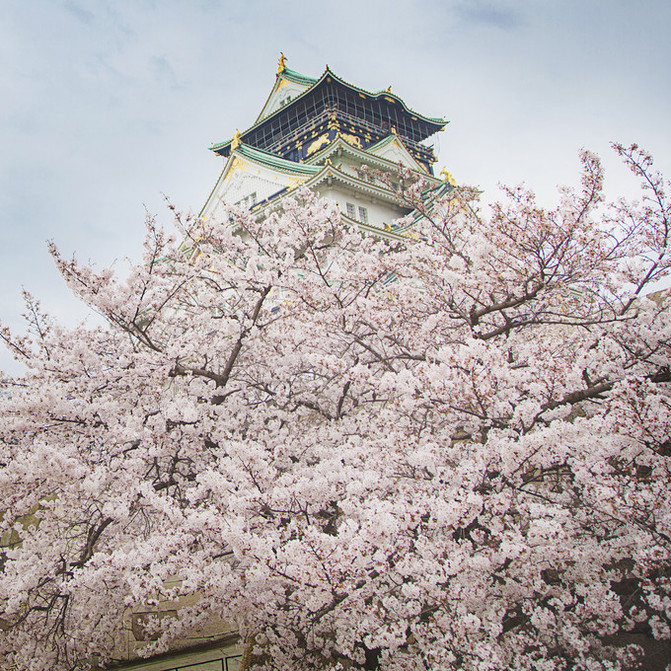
(283, 72)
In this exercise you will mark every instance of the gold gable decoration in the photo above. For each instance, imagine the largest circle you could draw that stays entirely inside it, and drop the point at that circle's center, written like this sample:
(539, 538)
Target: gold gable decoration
(318, 144)
(351, 139)
(448, 177)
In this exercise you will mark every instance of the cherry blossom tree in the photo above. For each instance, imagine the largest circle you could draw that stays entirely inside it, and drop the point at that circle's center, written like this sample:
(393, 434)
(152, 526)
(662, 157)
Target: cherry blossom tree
(450, 451)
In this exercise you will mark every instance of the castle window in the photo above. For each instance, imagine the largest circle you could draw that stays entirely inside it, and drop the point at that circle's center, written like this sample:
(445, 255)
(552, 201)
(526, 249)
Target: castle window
(248, 201)
(352, 210)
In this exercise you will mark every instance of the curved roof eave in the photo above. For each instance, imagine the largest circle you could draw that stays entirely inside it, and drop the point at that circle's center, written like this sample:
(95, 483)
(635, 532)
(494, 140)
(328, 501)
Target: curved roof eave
(297, 77)
(385, 94)
(270, 160)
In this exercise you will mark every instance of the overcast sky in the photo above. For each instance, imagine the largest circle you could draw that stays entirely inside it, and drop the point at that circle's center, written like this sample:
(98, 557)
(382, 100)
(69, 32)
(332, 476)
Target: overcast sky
(108, 104)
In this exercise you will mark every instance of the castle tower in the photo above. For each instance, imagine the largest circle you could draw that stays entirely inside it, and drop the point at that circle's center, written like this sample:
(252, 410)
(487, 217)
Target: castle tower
(323, 133)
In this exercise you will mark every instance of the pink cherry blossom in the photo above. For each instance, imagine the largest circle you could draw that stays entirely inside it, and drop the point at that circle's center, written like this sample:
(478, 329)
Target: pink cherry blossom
(448, 454)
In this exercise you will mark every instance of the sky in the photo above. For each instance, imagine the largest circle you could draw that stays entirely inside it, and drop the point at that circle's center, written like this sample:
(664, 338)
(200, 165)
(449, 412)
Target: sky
(108, 106)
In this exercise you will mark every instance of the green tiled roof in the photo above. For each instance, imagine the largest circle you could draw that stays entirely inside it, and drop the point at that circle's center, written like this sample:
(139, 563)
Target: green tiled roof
(297, 77)
(276, 162)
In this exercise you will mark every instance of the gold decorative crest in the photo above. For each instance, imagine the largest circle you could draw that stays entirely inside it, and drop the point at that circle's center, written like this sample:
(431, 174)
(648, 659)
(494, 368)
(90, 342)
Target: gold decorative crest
(281, 64)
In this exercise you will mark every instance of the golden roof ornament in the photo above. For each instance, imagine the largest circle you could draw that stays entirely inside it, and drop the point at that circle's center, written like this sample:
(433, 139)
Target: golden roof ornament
(236, 139)
(448, 177)
(281, 64)
(388, 89)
